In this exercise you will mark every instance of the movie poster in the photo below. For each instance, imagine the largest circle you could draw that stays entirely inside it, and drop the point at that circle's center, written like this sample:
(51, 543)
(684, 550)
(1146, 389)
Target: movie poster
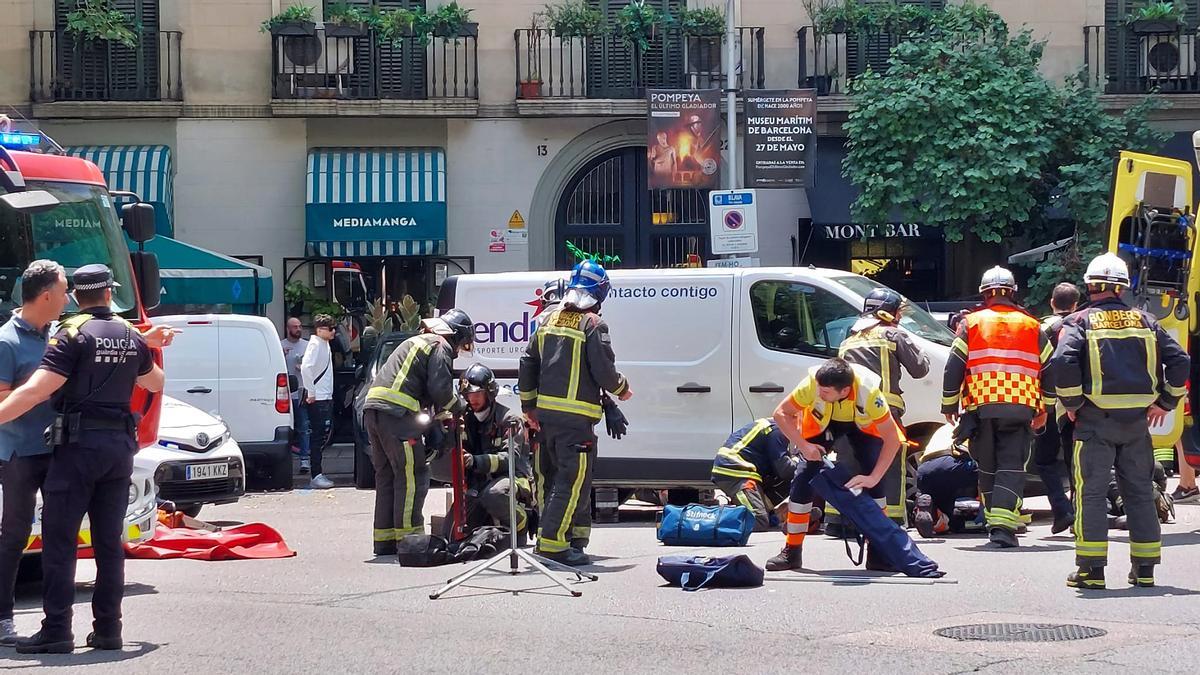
(780, 138)
(684, 144)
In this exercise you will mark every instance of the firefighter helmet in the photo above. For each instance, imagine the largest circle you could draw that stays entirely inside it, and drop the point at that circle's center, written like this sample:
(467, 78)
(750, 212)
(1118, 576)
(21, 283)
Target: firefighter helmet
(589, 285)
(1107, 268)
(998, 278)
(554, 290)
(454, 325)
(883, 303)
(479, 378)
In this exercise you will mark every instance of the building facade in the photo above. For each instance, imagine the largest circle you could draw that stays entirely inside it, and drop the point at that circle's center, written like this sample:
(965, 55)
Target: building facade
(501, 147)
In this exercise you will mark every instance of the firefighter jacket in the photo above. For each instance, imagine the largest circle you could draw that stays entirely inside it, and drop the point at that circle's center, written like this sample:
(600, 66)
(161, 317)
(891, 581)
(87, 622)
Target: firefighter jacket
(998, 365)
(1120, 360)
(487, 441)
(569, 362)
(756, 450)
(1051, 325)
(884, 349)
(865, 406)
(416, 376)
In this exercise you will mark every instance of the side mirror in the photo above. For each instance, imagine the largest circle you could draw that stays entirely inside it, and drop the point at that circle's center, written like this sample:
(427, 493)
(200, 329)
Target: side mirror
(149, 283)
(138, 221)
(30, 201)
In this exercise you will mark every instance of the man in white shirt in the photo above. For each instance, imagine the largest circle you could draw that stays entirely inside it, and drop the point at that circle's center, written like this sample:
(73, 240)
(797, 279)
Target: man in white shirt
(316, 374)
(294, 346)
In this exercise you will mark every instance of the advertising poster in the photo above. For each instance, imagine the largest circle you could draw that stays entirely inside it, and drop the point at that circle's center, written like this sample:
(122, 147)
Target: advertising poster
(684, 139)
(780, 138)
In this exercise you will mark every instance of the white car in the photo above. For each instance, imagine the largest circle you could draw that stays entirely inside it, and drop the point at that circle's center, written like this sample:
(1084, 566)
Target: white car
(195, 461)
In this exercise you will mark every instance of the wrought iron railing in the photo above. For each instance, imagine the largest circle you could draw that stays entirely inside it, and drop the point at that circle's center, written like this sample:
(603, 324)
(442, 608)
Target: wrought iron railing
(1138, 59)
(63, 68)
(828, 61)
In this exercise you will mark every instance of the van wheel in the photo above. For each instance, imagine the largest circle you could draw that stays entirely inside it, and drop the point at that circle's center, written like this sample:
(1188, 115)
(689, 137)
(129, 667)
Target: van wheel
(192, 511)
(364, 471)
(281, 474)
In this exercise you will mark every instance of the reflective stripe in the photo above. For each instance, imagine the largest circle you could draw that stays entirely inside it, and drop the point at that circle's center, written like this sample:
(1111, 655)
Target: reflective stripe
(1069, 392)
(493, 463)
(569, 333)
(410, 490)
(385, 534)
(1097, 395)
(402, 532)
(1077, 469)
(1145, 549)
(951, 400)
(573, 502)
(745, 500)
(529, 395)
(734, 473)
(1122, 401)
(991, 352)
(393, 394)
(1005, 368)
(576, 358)
(1173, 390)
(558, 404)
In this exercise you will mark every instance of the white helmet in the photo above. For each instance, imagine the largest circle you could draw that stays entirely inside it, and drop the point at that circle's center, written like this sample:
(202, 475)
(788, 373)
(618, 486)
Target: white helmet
(997, 278)
(1107, 268)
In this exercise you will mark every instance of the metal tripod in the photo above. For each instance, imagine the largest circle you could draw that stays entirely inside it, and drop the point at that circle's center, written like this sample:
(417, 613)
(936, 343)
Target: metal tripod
(513, 553)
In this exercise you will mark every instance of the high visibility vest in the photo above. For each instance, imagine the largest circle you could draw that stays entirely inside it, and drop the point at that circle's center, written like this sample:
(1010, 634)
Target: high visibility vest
(1003, 360)
(815, 419)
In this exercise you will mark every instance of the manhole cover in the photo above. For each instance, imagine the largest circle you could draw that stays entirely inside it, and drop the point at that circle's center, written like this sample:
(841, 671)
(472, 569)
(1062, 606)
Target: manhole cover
(1020, 632)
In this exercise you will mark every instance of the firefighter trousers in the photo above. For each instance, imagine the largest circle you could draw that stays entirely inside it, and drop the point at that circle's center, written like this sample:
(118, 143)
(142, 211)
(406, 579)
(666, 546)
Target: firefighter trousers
(761, 498)
(1001, 447)
(401, 478)
(1102, 441)
(895, 481)
(563, 460)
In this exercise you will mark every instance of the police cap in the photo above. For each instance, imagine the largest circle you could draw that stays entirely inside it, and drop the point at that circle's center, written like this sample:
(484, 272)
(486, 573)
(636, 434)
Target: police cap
(93, 277)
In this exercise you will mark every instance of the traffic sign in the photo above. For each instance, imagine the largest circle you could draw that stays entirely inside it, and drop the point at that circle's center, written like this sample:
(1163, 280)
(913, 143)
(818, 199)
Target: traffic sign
(733, 221)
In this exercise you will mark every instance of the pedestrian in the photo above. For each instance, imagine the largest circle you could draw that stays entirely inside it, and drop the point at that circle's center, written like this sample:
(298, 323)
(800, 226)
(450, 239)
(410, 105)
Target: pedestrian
(415, 384)
(562, 376)
(1186, 491)
(24, 449)
(755, 468)
(878, 343)
(841, 405)
(996, 379)
(294, 345)
(95, 359)
(317, 377)
(1054, 442)
(1117, 372)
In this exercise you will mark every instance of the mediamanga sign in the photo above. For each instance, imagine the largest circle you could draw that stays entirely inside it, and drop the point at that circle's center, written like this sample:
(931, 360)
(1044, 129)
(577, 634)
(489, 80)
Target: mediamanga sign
(375, 222)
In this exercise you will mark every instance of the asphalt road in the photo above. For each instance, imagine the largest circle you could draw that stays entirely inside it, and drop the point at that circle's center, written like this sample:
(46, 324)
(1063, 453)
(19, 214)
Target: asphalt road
(335, 609)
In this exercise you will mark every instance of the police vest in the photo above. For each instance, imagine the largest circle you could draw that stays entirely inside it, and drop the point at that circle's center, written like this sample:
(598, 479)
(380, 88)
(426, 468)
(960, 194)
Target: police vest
(97, 390)
(1003, 360)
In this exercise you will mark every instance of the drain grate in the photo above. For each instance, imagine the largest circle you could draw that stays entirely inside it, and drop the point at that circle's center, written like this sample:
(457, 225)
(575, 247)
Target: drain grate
(1020, 632)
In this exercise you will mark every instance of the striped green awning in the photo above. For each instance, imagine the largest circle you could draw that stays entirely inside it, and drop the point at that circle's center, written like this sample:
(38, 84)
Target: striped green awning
(142, 169)
(376, 201)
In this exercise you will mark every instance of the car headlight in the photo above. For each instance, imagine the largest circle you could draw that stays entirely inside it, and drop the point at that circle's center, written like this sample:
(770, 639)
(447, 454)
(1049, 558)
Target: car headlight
(133, 493)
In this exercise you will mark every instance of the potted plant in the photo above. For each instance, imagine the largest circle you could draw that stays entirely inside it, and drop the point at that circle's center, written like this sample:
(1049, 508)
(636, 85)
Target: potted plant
(392, 27)
(638, 24)
(574, 18)
(836, 18)
(95, 21)
(705, 22)
(452, 21)
(530, 85)
(1156, 18)
(345, 20)
(295, 21)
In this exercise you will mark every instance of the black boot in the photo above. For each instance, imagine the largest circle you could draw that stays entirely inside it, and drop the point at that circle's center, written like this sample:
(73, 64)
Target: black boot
(1002, 538)
(107, 642)
(790, 558)
(40, 643)
(385, 548)
(1142, 576)
(924, 519)
(1087, 578)
(876, 562)
(1062, 523)
(572, 557)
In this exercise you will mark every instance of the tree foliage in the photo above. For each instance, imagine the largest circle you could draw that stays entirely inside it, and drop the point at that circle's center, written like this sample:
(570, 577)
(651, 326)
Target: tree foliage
(964, 132)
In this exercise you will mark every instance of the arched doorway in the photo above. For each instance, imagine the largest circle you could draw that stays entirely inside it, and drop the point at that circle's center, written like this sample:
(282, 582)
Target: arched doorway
(607, 211)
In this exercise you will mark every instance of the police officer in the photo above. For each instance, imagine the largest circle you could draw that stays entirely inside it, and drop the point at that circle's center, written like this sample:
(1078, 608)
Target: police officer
(489, 424)
(878, 343)
(755, 468)
(996, 372)
(95, 359)
(562, 377)
(1056, 439)
(1117, 372)
(416, 379)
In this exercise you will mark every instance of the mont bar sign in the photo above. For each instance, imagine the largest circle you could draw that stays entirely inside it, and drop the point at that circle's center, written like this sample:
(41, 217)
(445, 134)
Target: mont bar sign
(886, 230)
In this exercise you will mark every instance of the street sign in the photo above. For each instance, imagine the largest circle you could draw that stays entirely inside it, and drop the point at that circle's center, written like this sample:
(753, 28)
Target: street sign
(735, 262)
(733, 221)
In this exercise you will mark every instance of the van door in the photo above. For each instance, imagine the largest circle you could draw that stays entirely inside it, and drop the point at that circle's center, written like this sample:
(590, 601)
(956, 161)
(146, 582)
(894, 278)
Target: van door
(247, 381)
(786, 326)
(191, 365)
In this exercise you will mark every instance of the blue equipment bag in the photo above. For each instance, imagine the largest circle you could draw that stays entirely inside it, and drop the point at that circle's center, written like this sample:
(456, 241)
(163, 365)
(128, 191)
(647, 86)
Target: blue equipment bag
(886, 537)
(693, 572)
(697, 525)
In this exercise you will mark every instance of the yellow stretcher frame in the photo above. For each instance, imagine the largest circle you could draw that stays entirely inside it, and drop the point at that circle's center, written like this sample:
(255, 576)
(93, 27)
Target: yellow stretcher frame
(1129, 184)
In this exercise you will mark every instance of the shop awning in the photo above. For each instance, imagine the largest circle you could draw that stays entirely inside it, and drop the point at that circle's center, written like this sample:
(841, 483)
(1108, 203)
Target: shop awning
(1038, 254)
(142, 169)
(376, 201)
(195, 276)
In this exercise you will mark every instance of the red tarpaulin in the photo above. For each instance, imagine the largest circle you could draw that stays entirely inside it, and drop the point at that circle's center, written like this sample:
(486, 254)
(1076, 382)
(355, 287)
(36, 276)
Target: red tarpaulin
(253, 540)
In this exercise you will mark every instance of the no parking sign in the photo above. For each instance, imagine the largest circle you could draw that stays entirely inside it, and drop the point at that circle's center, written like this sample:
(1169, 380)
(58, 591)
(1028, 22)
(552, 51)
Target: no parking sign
(733, 221)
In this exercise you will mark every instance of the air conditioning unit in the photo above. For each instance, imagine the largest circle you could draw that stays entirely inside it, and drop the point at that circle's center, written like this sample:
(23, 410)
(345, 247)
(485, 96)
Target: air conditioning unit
(1167, 57)
(316, 55)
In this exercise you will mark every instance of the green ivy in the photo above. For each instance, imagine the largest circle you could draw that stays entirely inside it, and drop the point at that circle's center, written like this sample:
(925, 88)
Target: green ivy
(637, 23)
(963, 132)
(1157, 11)
(289, 14)
(347, 14)
(574, 18)
(703, 22)
(101, 21)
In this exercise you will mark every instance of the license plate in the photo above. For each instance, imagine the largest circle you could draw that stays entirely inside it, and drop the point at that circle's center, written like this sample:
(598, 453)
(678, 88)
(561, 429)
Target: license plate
(206, 471)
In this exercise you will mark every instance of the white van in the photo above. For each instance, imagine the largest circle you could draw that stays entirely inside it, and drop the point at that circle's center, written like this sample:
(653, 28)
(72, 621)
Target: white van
(705, 351)
(231, 366)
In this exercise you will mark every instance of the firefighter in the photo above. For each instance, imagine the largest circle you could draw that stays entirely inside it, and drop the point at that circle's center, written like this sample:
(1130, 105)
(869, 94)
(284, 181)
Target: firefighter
(563, 373)
(836, 404)
(878, 343)
(1117, 372)
(1055, 440)
(755, 468)
(416, 380)
(996, 373)
(489, 425)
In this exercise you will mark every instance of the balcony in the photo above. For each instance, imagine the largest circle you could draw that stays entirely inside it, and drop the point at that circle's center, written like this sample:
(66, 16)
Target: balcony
(828, 61)
(1121, 60)
(602, 75)
(327, 75)
(64, 71)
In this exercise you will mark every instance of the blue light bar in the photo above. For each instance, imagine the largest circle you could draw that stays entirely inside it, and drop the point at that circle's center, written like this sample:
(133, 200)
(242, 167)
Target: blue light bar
(19, 141)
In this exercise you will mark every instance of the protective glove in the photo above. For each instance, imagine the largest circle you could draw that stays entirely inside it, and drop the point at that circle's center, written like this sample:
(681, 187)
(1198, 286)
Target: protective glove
(437, 440)
(614, 419)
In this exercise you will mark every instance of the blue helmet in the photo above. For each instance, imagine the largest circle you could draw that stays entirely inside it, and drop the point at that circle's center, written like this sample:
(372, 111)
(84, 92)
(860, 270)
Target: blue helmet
(588, 286)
